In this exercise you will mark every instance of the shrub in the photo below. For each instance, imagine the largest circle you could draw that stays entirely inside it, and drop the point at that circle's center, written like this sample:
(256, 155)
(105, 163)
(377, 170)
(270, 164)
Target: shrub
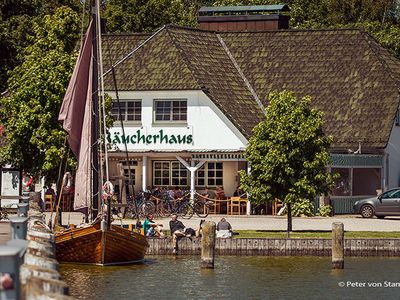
(303, 208)
(324, 211)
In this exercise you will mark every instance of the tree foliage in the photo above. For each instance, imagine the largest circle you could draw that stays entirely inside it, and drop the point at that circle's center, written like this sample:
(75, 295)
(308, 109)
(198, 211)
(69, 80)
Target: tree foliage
(36, 87)
(16, 26)
(148, 15)
(288, 153)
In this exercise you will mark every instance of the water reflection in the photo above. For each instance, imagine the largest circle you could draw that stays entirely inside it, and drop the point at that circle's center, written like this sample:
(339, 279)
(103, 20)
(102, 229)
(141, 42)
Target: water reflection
(235, 278)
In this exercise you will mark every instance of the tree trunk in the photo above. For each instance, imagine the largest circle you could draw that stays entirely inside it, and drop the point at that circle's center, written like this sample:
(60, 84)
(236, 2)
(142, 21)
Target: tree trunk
(289, 219)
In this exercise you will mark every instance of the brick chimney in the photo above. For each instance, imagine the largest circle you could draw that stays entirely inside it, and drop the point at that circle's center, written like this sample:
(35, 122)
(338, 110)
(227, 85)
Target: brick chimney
(244, 18)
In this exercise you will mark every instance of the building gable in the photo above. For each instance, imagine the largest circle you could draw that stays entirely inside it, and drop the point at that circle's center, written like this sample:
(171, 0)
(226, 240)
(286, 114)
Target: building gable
(350, 77)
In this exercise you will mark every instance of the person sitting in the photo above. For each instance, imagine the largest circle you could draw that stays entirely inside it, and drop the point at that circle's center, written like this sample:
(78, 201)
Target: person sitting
(171, 194)
(177, 230)
(151, 228)
(224, 229)
(208, 193)
(177, 193)
(220, 193)
(50, 191)
(238, 192)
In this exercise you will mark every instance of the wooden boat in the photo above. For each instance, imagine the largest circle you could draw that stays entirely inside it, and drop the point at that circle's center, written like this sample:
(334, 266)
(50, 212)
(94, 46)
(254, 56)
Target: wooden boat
(91, 245)
(100, 242)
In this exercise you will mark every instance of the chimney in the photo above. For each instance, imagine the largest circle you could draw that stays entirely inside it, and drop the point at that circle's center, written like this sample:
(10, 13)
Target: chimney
(244, 18)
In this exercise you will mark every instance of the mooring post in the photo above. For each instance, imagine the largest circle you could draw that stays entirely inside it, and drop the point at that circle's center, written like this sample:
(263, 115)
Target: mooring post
(337, 245)
(19, 227)
(24, 198)
(10, 261)
(208, 245)
(23, 209)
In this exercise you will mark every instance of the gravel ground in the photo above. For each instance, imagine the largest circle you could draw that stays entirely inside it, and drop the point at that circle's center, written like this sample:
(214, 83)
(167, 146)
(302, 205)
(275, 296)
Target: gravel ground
(351, 222)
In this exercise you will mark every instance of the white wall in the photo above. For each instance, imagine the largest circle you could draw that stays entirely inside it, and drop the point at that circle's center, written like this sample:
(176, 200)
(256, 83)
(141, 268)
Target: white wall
(393, 152)
(209, 127)
(230, 173)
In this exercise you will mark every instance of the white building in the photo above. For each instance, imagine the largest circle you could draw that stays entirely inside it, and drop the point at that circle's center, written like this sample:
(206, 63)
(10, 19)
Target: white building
(190, 98)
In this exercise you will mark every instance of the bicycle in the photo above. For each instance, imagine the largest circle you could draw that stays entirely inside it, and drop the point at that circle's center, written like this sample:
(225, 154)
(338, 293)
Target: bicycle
(142, 208)
(180, 207)
(3, 213)
(201, 206)
(135, 208)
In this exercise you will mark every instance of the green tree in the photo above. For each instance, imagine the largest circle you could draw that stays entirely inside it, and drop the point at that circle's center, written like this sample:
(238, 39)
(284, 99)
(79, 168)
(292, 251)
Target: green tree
(288, 153)
(16, 26)
(148, 15)
(36, 87)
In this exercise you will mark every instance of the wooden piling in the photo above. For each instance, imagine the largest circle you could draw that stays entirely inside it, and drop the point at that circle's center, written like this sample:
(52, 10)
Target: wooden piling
(208, 245)
(337, 245)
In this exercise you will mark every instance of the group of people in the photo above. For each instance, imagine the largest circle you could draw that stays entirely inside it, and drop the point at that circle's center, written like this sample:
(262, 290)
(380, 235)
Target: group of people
(179, 230)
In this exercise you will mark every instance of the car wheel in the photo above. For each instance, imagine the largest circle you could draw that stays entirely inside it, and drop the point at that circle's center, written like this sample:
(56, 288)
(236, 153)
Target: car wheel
(380, 217)
(367, 211)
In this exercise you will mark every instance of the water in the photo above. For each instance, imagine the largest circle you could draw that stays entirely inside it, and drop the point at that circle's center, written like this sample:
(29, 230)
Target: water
(238, 278)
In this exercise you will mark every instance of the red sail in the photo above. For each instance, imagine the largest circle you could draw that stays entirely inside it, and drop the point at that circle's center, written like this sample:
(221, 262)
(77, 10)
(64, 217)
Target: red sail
(75, 114)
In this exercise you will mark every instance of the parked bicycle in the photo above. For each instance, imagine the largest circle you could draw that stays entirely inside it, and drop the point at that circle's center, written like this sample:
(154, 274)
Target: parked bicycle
(3, 213)
(140, 207)
(180, 207)
(201, 206)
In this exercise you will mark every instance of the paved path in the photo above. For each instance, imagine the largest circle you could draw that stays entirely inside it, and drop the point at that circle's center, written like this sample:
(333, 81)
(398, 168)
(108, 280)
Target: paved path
(351, 222)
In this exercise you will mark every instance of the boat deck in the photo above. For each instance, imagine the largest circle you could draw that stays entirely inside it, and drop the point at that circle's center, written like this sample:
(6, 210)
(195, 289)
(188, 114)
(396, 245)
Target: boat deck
(4, 232)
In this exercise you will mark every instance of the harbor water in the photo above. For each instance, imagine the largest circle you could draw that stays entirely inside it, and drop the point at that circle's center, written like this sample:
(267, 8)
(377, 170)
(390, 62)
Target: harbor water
(166, 277)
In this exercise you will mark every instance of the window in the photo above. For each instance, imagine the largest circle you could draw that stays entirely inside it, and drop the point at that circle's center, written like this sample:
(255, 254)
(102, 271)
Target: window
(169, 173)
(161, 173)
(126, 168)
(357, 181)
(343, 183)
(366, 181)
(210, 174)
(393, 194)
(131, 110)
(170, 110)
(179, 174)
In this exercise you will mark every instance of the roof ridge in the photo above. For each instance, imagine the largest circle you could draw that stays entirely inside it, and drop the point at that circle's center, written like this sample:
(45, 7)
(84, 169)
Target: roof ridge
(203, 86)
(126, 33)
(239, 70)
(369, 38)
(183, 56)
(134, 50)
(265, 31)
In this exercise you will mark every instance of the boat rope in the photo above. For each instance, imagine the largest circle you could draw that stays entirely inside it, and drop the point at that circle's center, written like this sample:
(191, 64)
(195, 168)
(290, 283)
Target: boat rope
(130, 182)
(102, 108)
(59, 199)
(59, 178)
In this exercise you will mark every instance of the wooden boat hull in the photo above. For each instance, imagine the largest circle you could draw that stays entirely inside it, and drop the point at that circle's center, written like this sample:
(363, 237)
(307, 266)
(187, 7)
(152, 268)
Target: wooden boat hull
(90, 245)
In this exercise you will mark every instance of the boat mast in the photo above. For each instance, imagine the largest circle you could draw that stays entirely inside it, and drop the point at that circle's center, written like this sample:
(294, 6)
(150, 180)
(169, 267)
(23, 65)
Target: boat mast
(95, 119)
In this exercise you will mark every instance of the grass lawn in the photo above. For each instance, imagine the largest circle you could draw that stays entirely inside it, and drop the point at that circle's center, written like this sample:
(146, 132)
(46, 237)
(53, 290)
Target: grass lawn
(314, 234)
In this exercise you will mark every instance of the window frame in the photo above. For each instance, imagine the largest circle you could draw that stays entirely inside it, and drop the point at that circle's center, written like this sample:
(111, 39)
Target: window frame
(206, 171)
(171, 111)
(170, 171)
(125, 113)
